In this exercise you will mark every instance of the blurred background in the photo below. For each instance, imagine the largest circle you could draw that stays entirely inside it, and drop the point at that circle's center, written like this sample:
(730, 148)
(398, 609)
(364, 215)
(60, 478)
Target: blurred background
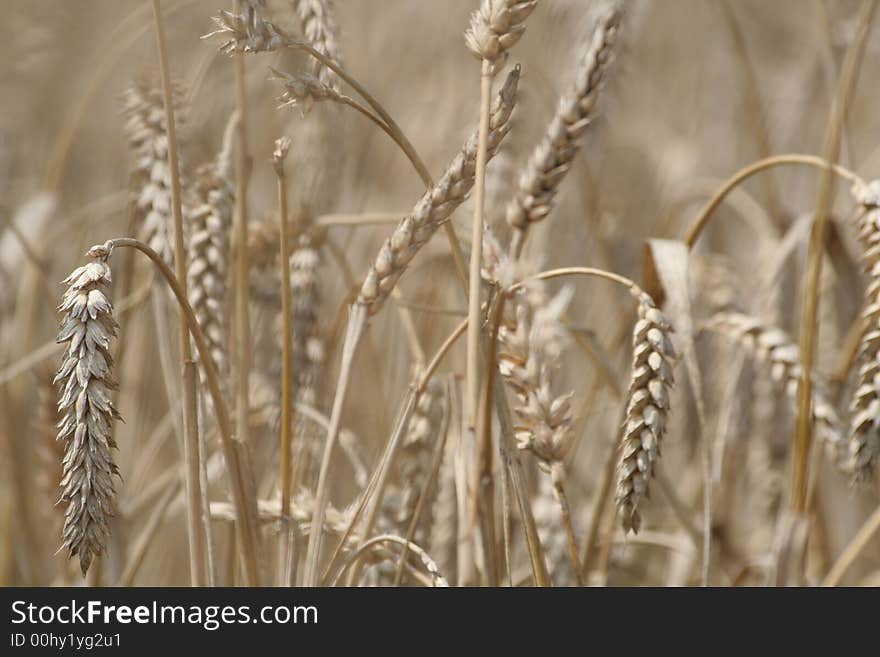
(698, 89)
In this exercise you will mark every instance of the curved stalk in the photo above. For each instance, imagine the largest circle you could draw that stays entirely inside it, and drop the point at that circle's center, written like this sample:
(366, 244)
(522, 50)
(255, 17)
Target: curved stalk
(245, 506)
(696, 229)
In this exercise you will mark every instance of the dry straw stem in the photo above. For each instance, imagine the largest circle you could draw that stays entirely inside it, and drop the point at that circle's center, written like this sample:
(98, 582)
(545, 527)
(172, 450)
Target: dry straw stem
(476, 262)
(853, 549)
(87, 410)
(552, 157)
(788, 159)
(242, 284)
(264, 36)
(282, 147)
(775, 348)
(437, 580)
(494, 29)
(242, 496)
(197, 539)
(808, 332)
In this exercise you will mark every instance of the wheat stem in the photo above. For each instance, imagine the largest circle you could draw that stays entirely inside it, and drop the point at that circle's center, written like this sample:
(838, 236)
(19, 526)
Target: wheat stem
(282, 147)
(357, 322)
(245, 505)
(242, 283)
(853, 549)
(559, 491)
(474, 323)
(809, 330)
(706, 213)
(197, 540)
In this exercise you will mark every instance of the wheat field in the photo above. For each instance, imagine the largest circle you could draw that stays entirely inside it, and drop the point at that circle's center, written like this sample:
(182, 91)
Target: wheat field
(469, 293)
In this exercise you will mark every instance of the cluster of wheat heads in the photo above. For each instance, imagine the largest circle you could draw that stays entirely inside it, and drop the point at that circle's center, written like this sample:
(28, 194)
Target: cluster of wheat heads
(423, 343)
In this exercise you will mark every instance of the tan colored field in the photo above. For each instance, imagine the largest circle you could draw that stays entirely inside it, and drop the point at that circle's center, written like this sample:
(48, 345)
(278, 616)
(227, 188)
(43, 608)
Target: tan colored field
(492, 292)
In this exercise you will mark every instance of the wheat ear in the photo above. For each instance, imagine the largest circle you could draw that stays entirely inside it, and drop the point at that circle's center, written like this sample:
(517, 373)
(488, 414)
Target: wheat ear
(151, 178)
(552, 157)
(210, 221)
(864, 434)
(532, 339)
(774, 347)
(496, 27)
(436, 205)
(85, 379)
(646, 409)
(320, 30)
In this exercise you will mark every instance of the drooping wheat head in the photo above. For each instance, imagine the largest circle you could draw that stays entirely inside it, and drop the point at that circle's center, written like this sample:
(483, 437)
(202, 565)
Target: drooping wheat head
(86, 383)
(774, 347)
(647, 406)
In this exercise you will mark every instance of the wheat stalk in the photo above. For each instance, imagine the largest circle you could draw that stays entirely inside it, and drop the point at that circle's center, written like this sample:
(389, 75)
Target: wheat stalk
(532, 339)
(494, 29)
(85, 379)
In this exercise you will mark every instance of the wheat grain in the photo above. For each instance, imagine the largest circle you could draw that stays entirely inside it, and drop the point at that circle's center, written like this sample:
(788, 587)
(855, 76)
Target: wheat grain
(85, 378)
(532, 341)
(414, 464)
(552, 157)
(210, 220)
(774, 347)
(304, 89)
(864, 434)
(151, 179)
(320, 30)
(436, 205)
(308, 346)
(496, 27)
(647, 406)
